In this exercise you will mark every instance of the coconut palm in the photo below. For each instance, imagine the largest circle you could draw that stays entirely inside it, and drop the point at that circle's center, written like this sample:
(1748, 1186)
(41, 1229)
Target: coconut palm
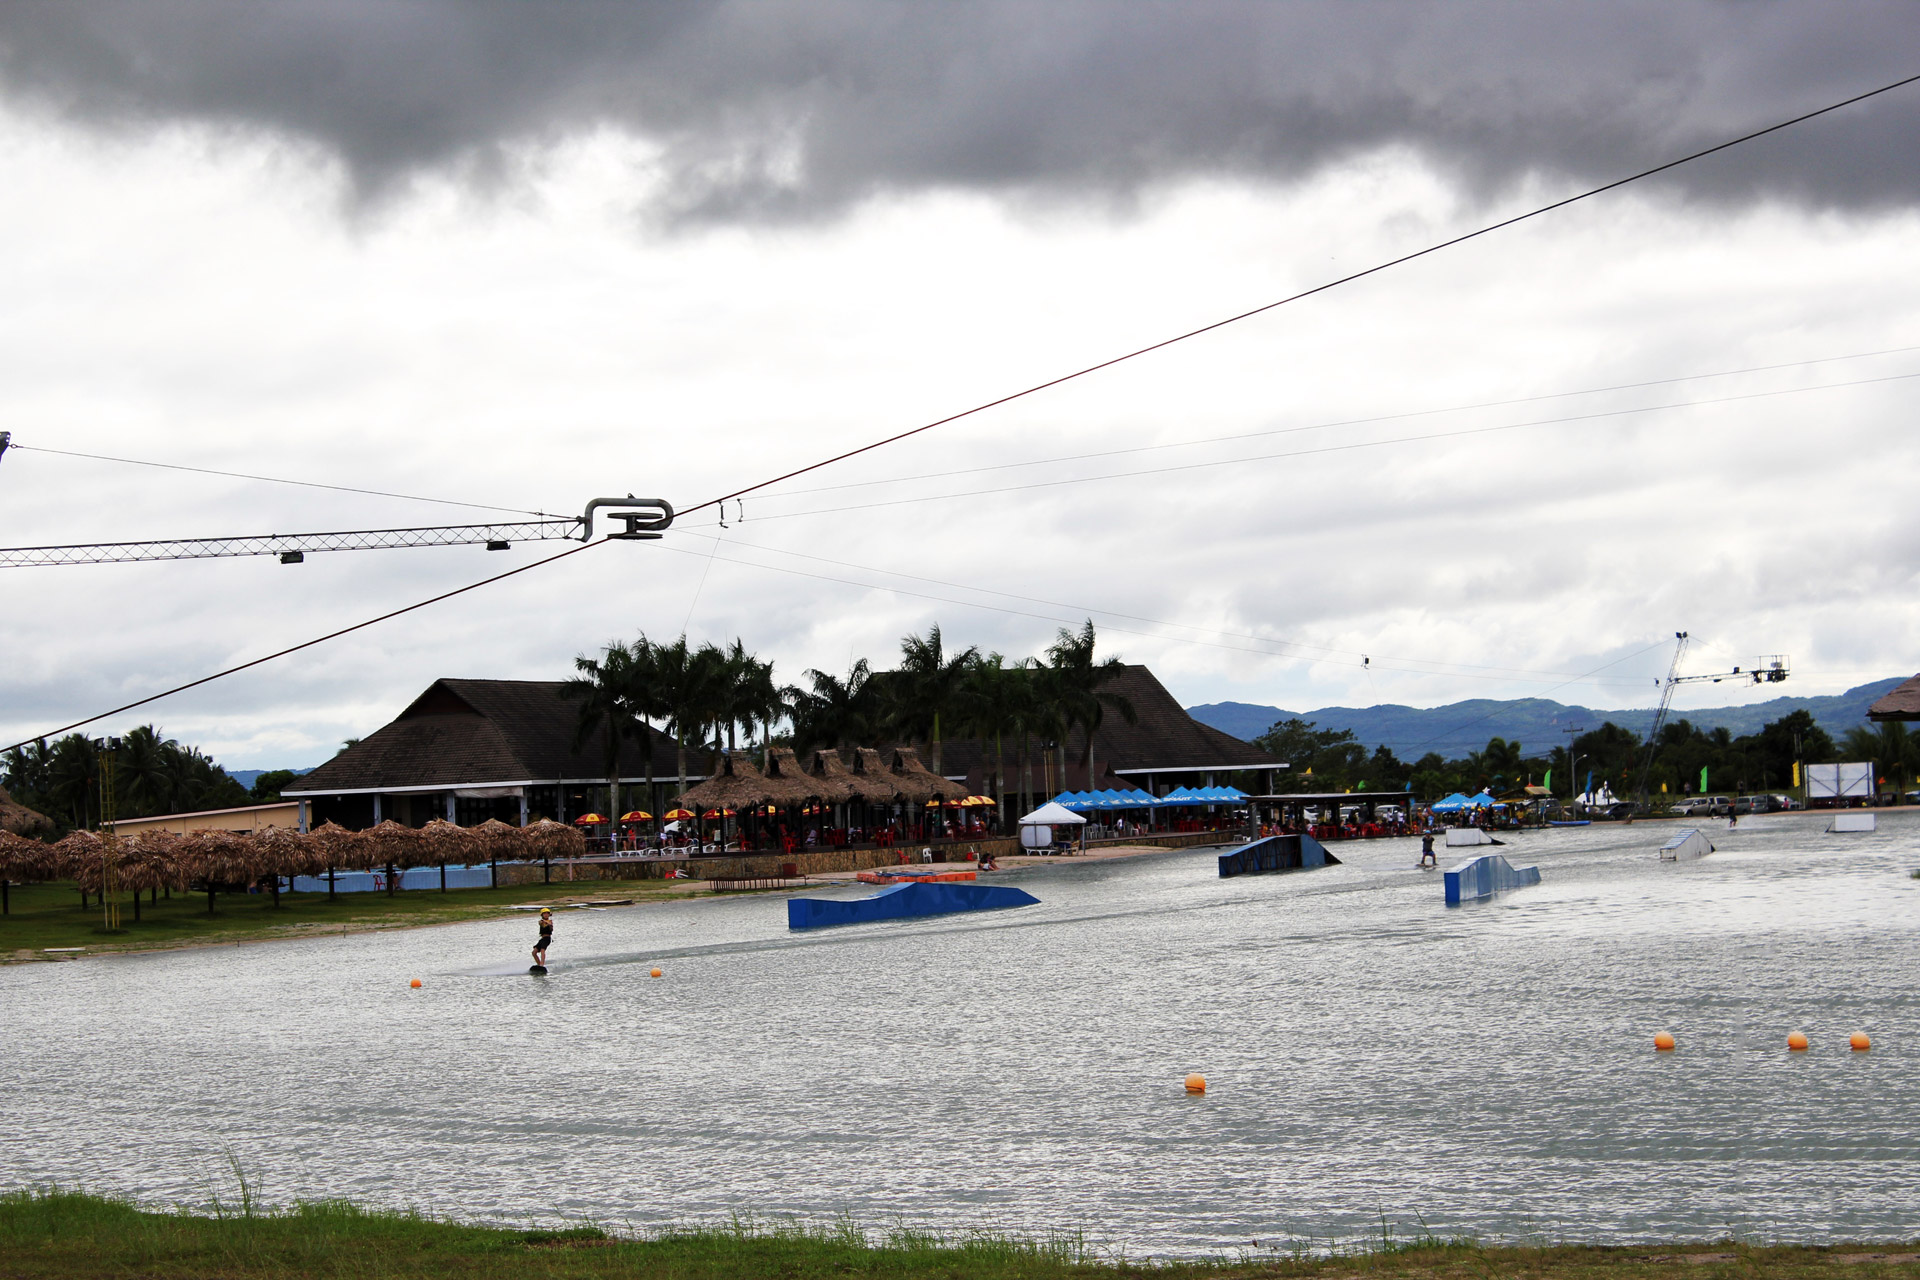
(603, 689)
(1079, 686)
(926, 687)
(1888, 745)
(834, 712)
(689, 681)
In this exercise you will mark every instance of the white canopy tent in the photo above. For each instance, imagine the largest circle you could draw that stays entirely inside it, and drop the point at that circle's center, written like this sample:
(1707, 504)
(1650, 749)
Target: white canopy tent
(1036, 829)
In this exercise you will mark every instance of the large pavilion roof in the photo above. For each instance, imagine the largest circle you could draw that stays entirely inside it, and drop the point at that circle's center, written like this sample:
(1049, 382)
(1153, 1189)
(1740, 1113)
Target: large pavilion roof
(1900, 703)
(1164, 738)
(463, 733)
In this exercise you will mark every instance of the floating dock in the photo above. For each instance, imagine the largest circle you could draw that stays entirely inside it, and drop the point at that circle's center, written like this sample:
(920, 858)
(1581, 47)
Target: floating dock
(904, 901)
(907, 875)
(1486, 876)
(1686, 846)
(1276, 853)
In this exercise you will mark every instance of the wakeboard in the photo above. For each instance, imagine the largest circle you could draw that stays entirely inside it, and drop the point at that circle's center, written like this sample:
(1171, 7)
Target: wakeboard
(536, 968)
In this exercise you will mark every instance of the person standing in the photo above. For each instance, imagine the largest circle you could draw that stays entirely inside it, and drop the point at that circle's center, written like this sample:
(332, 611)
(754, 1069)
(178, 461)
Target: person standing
(546, 937)
(1427, 858)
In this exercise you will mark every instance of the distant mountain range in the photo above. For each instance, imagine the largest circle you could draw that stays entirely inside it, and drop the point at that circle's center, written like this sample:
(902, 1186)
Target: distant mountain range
(1460, 727)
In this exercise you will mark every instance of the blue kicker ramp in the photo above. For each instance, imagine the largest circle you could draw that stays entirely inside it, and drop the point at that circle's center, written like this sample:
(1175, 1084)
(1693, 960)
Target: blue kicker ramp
(903, 901)
(1484, 877)
(1275, 853)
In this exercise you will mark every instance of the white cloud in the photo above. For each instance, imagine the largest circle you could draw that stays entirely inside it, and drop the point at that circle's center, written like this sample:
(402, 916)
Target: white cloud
(198, 298)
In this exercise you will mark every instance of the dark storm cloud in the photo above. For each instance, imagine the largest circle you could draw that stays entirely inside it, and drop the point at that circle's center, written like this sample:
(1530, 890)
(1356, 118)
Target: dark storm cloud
(770, 109)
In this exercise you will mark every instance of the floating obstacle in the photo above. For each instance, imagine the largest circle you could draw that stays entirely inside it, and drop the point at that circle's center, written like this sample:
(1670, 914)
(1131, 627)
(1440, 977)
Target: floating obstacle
(903, 901)
(1276, 853)
(1569, 822)
(1461, 837)
(907, 875)
(1845, 822)
(1483, 877)
(1685, 847)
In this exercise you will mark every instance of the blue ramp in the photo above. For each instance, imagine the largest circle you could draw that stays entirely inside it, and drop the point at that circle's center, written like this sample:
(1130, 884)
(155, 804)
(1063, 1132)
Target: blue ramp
(904, 901)
(1275, 853)
(1484, 877)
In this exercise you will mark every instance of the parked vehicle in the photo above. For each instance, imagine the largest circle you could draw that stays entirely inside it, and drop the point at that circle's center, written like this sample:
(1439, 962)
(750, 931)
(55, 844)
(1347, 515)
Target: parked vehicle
(1753, 804)
(1704, 806)
(1786, 804)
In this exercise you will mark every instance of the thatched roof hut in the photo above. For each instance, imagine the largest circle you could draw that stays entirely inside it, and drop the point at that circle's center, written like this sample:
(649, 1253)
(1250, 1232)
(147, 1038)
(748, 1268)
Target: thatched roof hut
(910, 773)
(738, 785)
(151, 860)
(785, 767)
(20, 820)
(280, 852)
(74, 853)
(832, 781)
(873, 781)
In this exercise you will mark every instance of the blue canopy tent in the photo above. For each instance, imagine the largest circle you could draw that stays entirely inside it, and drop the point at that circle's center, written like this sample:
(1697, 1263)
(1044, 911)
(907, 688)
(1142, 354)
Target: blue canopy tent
(1452, 804)
(1482, 801)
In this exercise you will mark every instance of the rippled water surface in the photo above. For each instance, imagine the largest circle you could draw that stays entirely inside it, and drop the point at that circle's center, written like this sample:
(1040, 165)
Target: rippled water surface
(1485, 1069)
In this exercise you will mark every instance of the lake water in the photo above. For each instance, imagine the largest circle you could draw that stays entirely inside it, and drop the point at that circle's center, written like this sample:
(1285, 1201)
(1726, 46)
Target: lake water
(1371, 1052)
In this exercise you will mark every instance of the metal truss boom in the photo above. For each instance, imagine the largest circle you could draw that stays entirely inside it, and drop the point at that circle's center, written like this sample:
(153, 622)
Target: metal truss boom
(292, 547)
(638, 520)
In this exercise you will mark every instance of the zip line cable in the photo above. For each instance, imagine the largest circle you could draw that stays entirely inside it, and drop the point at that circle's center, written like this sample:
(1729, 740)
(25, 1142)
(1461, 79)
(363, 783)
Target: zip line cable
(307, 644)
(1599, 415)
(243, 475)
(1032, 390)
(1308, 293)
(1350, 422)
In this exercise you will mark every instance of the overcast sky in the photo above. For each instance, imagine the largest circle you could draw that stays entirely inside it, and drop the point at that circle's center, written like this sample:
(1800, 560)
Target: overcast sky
(526, 255)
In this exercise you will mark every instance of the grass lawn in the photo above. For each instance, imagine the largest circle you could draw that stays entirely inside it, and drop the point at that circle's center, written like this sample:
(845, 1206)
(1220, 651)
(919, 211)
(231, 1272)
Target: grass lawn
(59, 1235)
(49, 915)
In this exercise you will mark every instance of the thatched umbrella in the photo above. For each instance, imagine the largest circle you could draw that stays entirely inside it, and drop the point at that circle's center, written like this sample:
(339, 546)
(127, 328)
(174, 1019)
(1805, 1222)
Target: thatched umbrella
(17, 819)
(215, 858)
(23, 860)
(496, 840)
(279, 852)
(150, 862)
(547, 840)
(73, 855)
(335, 846)
(394, 847)
(448, 842)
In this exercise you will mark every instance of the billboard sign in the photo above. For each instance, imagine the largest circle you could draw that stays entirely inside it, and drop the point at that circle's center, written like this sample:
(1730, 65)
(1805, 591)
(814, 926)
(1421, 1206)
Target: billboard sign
(1840, 781)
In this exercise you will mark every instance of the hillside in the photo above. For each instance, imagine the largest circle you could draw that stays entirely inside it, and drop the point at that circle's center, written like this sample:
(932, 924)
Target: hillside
(1538, 723)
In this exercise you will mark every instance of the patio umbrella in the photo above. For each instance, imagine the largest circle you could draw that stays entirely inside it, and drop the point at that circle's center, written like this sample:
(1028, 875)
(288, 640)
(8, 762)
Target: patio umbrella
(718, 813)
(679, 815)
(636, 815)
(588, 820)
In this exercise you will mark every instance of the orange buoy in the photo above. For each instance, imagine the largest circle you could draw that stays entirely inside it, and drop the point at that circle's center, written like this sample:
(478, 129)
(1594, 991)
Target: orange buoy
(1196, 1083)
(1860, 1042)
(655, 973)
(416, 982)
(1664, 1042)
(1797, 1042)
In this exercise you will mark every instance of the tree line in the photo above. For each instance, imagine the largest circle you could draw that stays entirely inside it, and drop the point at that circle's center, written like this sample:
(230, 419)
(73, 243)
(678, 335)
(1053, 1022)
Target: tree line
(711, 697)
(1335, 760)
(152, 774)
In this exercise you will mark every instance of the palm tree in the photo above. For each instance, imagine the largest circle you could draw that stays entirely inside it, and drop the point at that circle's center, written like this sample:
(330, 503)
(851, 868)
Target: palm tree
(1888, 745)
(834, 712)
(70, 777)
(602, 688)
(988, 701)
(1079, 682)
(689, 682)
(928, 685)
(142, 771)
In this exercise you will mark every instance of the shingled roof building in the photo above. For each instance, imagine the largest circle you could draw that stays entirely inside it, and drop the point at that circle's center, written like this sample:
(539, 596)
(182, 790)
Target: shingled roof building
(469, 750)
(1899, 703)
(1162, 749)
